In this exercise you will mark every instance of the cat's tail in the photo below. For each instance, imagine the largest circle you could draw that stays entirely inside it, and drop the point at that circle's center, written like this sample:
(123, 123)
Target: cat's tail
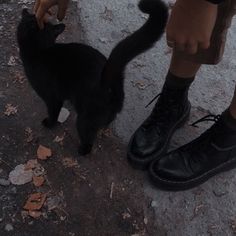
(138, 42)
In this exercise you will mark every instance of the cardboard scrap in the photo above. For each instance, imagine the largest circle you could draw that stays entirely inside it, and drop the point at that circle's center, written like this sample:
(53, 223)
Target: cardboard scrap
(20, 175)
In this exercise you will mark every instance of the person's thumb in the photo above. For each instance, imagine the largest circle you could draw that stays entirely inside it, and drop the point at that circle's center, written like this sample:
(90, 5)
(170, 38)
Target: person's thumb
(62, 7)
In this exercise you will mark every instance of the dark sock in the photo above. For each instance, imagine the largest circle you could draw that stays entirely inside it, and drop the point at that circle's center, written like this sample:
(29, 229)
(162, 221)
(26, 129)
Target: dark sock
(175, 82)
(229, 120)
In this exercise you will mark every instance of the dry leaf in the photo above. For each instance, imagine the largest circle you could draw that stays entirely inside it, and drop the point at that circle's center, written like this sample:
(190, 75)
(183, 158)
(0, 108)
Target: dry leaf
(10, 110)
(59, 139)
(43, 153)
(29, 134)
(69, 162)
(39, 171)
(31, 164)
(126, 215)
(35, 214)
(38, 180)
(12, 61)
(19, 78)
(35, 201)
(24, 214)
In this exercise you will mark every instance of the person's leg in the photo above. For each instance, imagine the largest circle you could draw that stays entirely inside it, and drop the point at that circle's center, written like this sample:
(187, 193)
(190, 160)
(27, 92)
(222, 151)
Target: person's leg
(232, 107)
(183, 68)
(194, 163)
(171, 111)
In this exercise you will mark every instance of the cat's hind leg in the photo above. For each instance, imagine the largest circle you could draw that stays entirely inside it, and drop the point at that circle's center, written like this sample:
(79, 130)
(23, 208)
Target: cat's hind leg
(87, 132)
(54, 107)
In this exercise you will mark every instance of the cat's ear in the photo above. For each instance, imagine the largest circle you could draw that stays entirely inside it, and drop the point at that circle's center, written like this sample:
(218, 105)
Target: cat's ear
(58, 29)
(25, 12)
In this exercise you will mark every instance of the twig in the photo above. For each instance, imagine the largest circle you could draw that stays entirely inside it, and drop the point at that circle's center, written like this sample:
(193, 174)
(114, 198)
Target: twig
(112, 188)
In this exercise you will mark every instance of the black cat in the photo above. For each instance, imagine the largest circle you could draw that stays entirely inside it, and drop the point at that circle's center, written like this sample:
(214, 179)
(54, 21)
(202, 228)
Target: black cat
(80, 73)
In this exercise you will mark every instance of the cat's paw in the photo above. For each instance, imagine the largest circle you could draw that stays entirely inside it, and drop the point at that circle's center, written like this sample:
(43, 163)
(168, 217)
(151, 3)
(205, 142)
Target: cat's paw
(84, 150)
(48, 123)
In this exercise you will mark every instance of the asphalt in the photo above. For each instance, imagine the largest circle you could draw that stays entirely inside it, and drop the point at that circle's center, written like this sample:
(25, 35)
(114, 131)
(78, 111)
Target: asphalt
(137, 207)
(209, 209)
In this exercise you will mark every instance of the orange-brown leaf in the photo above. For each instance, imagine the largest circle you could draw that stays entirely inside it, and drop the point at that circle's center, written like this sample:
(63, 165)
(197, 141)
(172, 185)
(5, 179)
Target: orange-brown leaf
(44, 153)
(31, 164)
(38, 181)
(35, 201)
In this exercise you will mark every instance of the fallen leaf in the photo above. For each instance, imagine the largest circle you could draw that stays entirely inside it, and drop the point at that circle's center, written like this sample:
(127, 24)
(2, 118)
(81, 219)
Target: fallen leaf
(38, 181)
(24, 214)
(126, 215)
(59, 139)
(20, 175)
(19, 78)
(35, 214)
(31, 164)
(63, 116)
(107, 132)
(29, 134)
(69, 162)
(10, 110)
(39, 171)
(12, 61)
(53, 202)
(35, 201)
(43, 153)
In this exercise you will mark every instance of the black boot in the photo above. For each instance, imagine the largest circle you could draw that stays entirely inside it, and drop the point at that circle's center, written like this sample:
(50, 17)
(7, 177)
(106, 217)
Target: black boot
(213, 152)
(152, 138)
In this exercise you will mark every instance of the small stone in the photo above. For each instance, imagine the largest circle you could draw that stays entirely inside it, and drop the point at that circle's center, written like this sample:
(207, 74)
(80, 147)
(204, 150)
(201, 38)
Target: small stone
(63, 116)
(9, 227)
(154, 204)
(13, 190)
(145, 220)
(4, 182)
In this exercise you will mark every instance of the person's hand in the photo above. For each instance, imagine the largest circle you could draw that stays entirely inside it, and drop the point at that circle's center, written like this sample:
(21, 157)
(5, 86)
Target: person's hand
(190, 25)
(42, 7)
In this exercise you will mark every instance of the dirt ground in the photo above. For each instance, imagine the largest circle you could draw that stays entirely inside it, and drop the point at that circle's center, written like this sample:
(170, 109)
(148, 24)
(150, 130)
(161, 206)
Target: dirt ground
(94, 195)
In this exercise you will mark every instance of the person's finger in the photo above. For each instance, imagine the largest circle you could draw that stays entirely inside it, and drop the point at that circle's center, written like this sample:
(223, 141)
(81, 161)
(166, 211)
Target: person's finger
(42, 10)
(191, 47)
(170, 41)
(36, 6)
(62, 10)
(204, 45)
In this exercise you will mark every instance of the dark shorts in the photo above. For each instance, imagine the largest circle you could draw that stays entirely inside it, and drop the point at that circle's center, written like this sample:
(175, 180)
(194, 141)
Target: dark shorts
(214, 53)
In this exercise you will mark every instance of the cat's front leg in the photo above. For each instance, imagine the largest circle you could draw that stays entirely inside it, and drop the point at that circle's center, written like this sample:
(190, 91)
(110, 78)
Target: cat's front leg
(54, 108)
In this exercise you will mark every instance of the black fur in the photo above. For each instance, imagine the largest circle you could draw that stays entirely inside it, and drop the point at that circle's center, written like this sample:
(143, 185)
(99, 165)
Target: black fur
(80, 73)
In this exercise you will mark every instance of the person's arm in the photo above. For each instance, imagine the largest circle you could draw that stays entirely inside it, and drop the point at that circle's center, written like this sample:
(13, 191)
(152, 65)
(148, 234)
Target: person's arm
(215, 1)
(42, 7)
(191, 24)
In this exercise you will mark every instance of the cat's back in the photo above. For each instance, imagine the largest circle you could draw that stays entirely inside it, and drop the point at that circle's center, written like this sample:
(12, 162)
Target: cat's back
(76, 55)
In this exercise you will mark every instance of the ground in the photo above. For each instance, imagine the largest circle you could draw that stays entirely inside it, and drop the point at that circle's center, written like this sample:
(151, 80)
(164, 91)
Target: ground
(101, 194)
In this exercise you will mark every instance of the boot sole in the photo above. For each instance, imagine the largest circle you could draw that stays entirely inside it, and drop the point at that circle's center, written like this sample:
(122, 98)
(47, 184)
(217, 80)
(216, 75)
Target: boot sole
(186, 185)
(143, 164)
